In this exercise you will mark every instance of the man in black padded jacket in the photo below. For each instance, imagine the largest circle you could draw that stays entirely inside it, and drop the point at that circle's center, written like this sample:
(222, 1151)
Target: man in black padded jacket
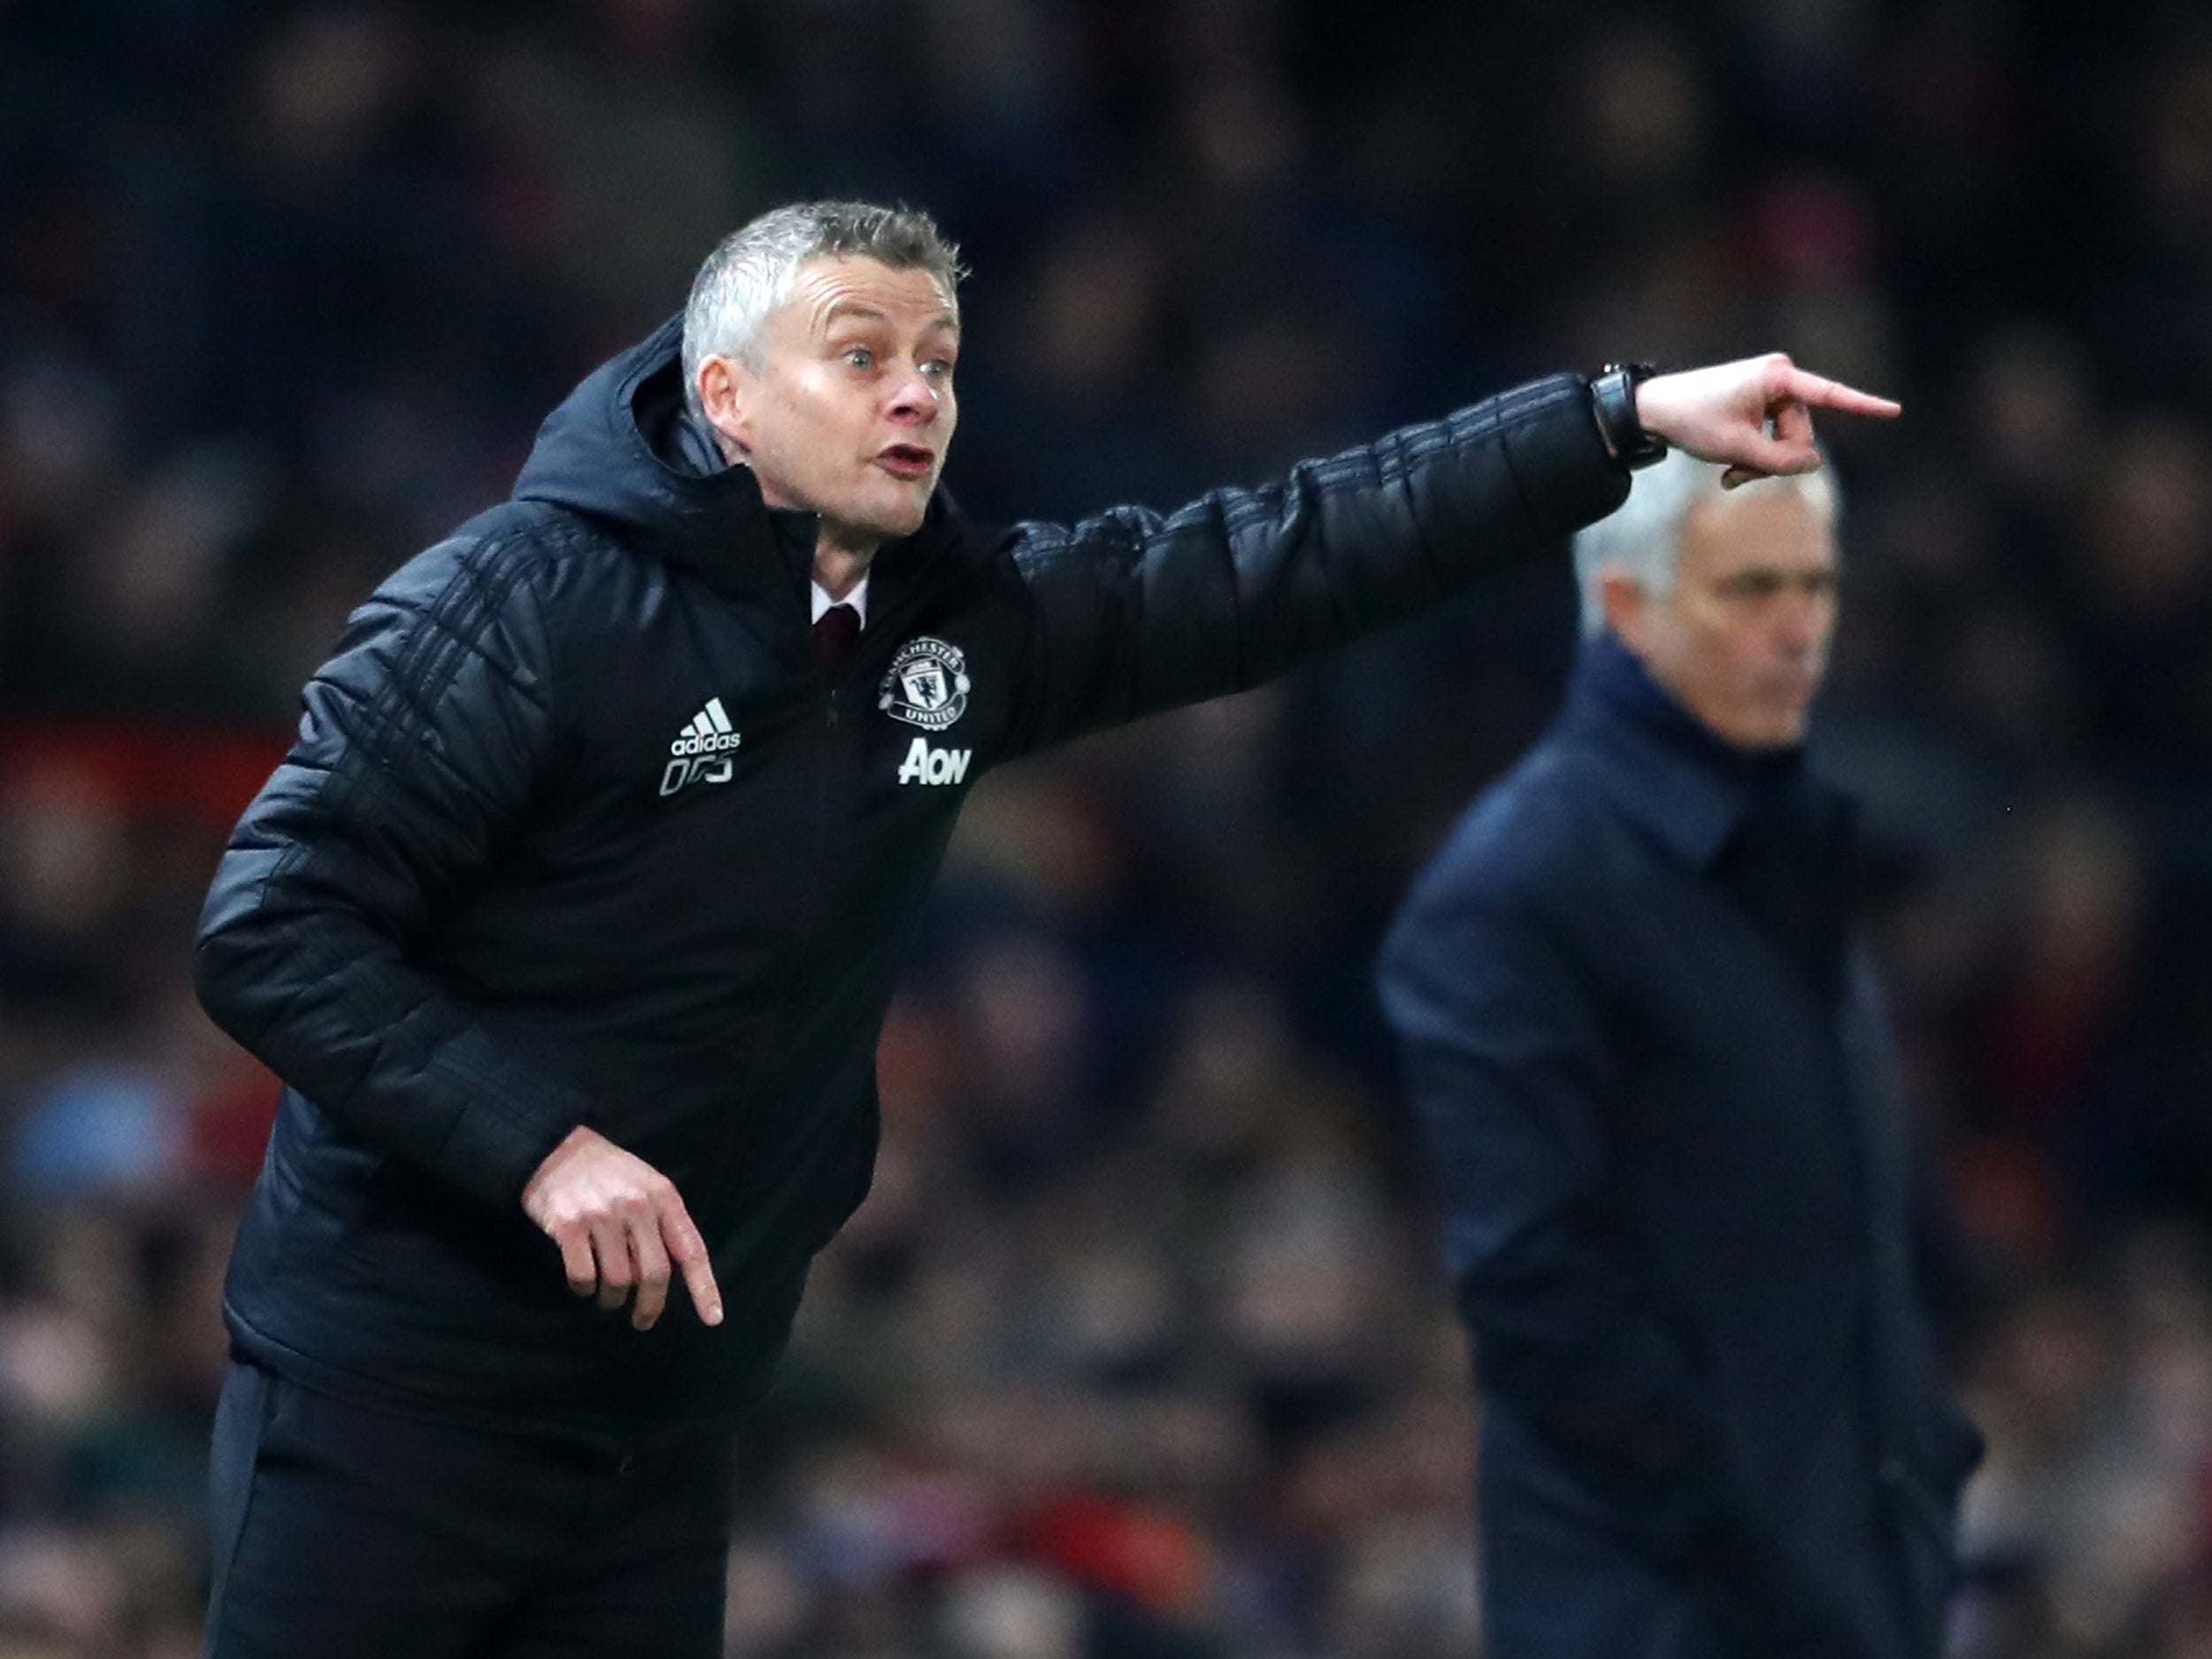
(570, 920)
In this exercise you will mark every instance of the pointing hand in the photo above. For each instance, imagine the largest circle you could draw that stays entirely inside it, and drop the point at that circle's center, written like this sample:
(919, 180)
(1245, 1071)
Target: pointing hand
(1755, 415)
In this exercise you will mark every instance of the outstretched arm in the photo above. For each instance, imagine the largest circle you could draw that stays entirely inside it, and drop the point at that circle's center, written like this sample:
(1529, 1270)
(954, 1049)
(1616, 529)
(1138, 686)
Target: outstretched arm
(1135, 611)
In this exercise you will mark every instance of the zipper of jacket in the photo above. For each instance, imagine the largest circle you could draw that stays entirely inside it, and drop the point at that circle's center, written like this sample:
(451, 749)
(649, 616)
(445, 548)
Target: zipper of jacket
(837, 758)
(830, 789)
(783, 1040)
(832, 785)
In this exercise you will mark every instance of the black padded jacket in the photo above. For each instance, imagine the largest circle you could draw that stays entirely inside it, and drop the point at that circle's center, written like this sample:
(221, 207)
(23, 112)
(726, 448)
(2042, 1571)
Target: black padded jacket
(574, 833)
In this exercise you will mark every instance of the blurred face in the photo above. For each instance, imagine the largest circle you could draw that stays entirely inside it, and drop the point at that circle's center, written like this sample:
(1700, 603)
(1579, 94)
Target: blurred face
(1741, 641)
(852, 409)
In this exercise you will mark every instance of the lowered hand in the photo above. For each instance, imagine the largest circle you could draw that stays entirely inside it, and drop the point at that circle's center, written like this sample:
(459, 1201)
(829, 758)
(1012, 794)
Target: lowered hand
(622, 1228)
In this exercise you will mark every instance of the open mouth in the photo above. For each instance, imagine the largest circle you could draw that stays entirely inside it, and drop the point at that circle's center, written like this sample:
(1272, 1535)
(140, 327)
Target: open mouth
(907, 460)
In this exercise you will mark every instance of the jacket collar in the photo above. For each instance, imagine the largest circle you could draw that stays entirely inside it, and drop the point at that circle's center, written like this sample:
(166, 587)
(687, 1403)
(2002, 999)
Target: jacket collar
(1664, 769)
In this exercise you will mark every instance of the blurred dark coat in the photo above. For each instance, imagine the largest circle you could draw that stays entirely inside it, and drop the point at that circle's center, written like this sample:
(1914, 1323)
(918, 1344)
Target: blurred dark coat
(1655, 1085)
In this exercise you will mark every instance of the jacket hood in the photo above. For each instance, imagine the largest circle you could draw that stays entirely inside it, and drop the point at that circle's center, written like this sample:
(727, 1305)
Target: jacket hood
(622, 451)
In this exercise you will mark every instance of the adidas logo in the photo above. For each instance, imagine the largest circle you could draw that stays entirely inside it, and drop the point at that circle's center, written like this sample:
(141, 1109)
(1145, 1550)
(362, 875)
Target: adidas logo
(709, 732)
(702, 749)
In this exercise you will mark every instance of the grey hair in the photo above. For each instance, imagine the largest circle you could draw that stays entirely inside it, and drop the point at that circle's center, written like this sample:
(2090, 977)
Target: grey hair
(751, 270)
(1643, 537)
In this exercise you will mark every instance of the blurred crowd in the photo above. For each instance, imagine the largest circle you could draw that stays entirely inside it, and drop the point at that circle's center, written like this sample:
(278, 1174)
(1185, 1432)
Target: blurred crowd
(1139, 1348)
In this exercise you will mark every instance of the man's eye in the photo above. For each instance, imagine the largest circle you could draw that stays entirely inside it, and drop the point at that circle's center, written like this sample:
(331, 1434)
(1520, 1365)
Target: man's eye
(861, 357)
(938, 369)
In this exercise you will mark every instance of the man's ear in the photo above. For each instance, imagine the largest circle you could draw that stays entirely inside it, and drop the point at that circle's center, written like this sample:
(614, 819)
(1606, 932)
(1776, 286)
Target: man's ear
(1622, 600)
(724, 395)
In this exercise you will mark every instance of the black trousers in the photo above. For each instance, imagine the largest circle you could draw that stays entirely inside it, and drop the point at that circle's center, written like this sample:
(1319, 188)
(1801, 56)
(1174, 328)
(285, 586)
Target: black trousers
(345, 1532)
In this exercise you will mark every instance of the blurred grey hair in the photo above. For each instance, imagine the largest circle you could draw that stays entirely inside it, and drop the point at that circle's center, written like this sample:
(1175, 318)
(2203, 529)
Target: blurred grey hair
(751, 270)
(1643, 538)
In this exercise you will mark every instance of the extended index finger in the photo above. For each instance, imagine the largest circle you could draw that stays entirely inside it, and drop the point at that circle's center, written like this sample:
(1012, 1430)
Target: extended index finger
(690, 1253)
(1823, 393)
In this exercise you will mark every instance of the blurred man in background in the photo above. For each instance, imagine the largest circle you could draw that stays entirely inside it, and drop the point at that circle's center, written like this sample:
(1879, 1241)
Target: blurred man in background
(1654, 1081)
(573, 917)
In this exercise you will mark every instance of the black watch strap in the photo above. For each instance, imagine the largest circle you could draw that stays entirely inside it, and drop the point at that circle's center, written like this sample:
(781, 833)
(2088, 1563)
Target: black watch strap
(1613, 394)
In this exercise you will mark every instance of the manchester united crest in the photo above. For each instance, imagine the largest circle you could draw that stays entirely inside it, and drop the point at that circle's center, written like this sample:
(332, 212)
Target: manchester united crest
(927, 685)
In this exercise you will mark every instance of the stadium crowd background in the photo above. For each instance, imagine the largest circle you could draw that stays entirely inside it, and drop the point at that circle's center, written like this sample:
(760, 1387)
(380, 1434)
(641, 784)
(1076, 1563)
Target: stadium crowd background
(1139, 1350)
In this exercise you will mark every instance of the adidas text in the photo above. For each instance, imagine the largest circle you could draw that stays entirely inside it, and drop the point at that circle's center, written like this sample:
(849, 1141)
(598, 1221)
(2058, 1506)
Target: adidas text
(702, 749)
(924, 764)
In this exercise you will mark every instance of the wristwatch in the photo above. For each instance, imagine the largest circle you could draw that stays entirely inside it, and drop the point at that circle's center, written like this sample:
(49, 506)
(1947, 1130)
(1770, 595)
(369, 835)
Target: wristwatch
(1613, 394)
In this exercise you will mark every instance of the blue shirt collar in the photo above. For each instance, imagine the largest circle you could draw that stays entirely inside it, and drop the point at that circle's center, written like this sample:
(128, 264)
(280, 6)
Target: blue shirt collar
(1664, 768)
